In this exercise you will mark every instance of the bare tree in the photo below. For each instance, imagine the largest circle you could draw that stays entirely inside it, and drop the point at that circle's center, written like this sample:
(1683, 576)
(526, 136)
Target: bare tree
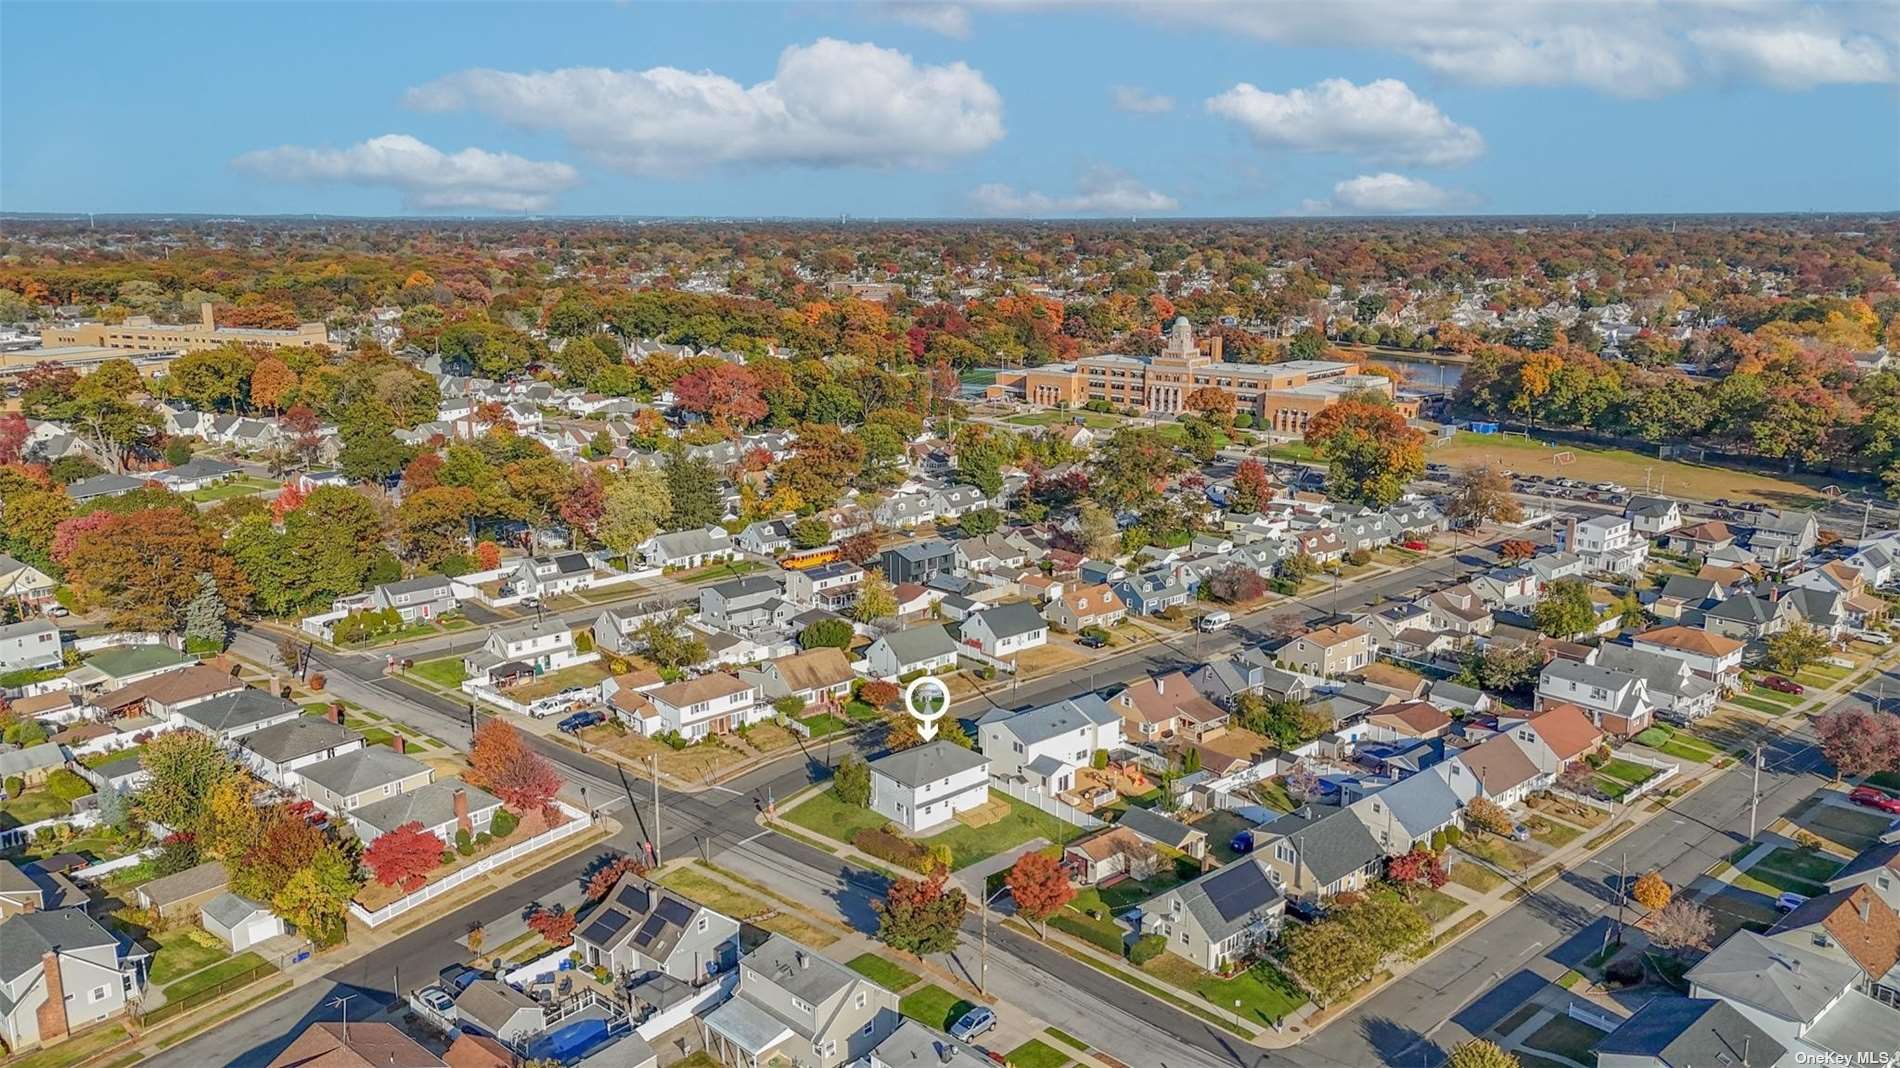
(1681, 925)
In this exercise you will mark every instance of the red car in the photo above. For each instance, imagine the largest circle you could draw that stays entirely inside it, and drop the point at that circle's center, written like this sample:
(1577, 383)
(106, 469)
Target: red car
(1415, 545)
(1872, 798)
(1781, 685)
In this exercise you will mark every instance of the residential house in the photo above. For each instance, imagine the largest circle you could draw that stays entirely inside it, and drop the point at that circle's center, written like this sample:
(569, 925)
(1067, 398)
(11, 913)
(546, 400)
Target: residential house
(1676, 692)
(801, 1008)
(1555, 738)
(1858, 606)
(1085, 606)
(550, 576)
(991, 552)
(1407, 812)
(32, 763)
(1750, 617)
(925, 786)
(617, 629)
(100, 486)
(1407, 719)
(1420, 518)
(194, 475)
(1876, 565)
(919, 561)
(820, 677)
(240, 922)
(1459, 610)
(688, 548)
(181, 893)
(743, 603)
(1652, 516)
(625, 696)
(1608, 544)
(1699, 540)
(363, 1044)
(534, 647)
(717, 703)
(30, 645)
(928, 649)
(767, 537)
(122, 665)
(358, 778)
(23, 583)
(1685, 597)
(1157, 829)
(492, 1007)
(1676, 1032)
(230, 716)
(442, 808)
(1801, 997)
(276, 753)
(1046, 745)
(1404, 629)
(1157, 707)
(1329, 651)
(1855, 925)
(59, 972)
(1616, 701)
(1247, 671)
(833, 587)
(161, 696)
(1710, 655)
(1781, 537)
(1507, 588)
(1877, 866)
(1110, 852)
(1221, 917)
(641, 927)
(1151, 592)
(1319, 852)
(1455, 695)
(421, 598)
(1501, 770)
(1005, 630)
(1549, 567)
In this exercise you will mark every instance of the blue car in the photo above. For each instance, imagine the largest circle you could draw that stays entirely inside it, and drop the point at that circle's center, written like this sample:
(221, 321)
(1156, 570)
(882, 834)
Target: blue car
(574, 723)
(1242, 842)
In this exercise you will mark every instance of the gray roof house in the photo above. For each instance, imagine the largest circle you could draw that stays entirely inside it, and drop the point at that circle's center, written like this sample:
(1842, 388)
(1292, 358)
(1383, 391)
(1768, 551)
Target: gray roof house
(918, 561)
(276, 752)
(89, 489)
(1247, 671)
(32, 643)
(241, 922)
(422, 597)
(1673, 1032)
(927, 785)
(1319, 851)
(1794, 994)
(1006, 629)
(33, 762)
(1157, 828)
(441, 807)
(60, 971)
(353, 780)
(1151, 592)
(640, 927)
(739, 603)
(927, 648)
(795, 1003)
(1407, 812)
(492, 1007)
(1221, 916)
(238, 713)
(182, 892)
(914, 1045)
(688, 548)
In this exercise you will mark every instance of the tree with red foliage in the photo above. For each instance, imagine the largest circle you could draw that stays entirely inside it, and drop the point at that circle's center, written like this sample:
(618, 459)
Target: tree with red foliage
(1858, 741)
(1513, 550)
(724, 393)
(501, 764)
(423, 472)
(404, 857)
(858, 547)
(258, 316)
(284, 845)
(1420, 867)
(68, 532)
(1235, 584)
(583, 505)
(878, 694)
(288, 500)
(919, 917)
(1039, 886)
(1253, 488)
(554, 924)
(601, 882)
(487, 555)
(13, 431)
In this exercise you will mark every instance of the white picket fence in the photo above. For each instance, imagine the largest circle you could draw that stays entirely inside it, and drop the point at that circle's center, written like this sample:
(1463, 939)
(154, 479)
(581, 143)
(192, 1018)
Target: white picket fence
(24, 833)
(106, 867)
(577, 821)
(1056, 807)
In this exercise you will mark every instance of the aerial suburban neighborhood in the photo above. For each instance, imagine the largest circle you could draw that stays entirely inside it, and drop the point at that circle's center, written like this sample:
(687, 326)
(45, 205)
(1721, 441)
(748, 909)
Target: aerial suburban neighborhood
(792, 612)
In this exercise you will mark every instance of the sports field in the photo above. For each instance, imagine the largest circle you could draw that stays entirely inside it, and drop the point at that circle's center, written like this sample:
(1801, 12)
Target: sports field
(1674, 477)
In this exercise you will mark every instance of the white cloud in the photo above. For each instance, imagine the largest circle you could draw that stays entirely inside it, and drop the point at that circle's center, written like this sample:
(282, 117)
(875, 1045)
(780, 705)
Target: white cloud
(1386, 193)
(1632, 48)
(829, 104)
(1797, 57)
(428, 178)
(1138, 101)
(1100, 191)
(950, 20)
(1381, 120)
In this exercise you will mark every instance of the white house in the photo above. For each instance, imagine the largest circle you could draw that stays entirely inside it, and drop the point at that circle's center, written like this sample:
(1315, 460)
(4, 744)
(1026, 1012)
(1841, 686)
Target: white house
(1712, 656)
(534, 647)
(32, 644)
(1607, 543)
(710, 704)
(1005, 630)
(928, 649)
(276, 753)
(927, 785)
(688, 548)
(1652, 516)
(239, 921)
(1046, 745)
(1616, 701)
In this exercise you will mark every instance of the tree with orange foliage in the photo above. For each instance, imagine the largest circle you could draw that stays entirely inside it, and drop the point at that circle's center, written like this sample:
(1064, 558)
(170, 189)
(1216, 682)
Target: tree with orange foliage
(1253, 488)
(502, 764)
(288, 500)
(1650, 891)
(404, 857)
(1039, 886)
(272, 382)
(724, 394)
(487, 555)
(554, 924)
(601, 881)
(1213, 403)
(1370, 451)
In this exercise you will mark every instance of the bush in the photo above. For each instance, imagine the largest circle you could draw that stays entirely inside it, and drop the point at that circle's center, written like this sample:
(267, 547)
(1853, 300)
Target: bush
(1099, 761)
(1147, 948)
(464, 842)
(672, 740)
(65, 784)
(504, 823)
(204, 939)
(1243, 421)
(903, 852)
(16, 785)
(317, 682)
(1438, 841)
(484, 838)
(455, 566)
(447, 858)
(1624, 973)
(1453, 835)
(1359, 557)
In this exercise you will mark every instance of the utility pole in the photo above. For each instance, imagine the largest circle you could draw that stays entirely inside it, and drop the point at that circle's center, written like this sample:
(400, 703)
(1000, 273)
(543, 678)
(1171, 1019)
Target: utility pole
(1622, 893)
(1754, 794)
(653, 762)
(342, 1001)
(1866, 513)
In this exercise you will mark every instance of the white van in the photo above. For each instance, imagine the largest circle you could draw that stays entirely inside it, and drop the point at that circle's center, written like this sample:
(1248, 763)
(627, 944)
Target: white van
(1214, 621)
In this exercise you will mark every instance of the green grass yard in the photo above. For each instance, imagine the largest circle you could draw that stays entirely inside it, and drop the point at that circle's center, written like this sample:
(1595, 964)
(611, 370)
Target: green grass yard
(1099, 930)
(882, 972)
(823, 724)
(1265, 995)
(1568, 1038)
(178, 956)
(1476, 877)
(832, 818)
(933, 1006)
(1674, 743)
(1806, 864)
(446, 672)
(242, 486)
(1024, 822)
(36, 804)
(1035, 1054)
(200, 981)
(1771, 883)
(80, 1049)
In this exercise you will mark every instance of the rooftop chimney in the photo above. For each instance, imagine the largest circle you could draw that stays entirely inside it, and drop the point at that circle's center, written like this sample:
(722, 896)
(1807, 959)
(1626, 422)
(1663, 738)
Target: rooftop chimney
(51, 1013)
(1863, 907)
(334, 713)
(461, 806)
(399, 743)
(803, 961)
(946, 1052)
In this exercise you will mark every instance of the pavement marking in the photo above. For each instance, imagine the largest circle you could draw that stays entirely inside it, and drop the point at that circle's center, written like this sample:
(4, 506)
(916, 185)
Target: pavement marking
(728, 789)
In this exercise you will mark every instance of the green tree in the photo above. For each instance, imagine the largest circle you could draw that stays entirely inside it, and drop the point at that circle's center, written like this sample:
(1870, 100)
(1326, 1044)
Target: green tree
(876, 598)
(205, 616)
(669, 643)
(1481, 1053)
(1566, 609)
(810, 532)
(185, 767)
(370, 450)
(692, 487)
(316, 897)
(980, 522)
(1131, 466)
(633, 506)
(851, 781)
(826, 634)
(1794, 648)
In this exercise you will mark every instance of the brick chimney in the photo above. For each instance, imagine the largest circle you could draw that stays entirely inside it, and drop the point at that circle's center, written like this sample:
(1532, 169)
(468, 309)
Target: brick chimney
(51, 1014)
(461, 811)
(334, 713)
(399, 743)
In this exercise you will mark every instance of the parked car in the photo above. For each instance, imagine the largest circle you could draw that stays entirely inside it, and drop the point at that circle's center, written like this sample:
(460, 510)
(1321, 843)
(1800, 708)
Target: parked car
(437, 1000)
(457, 977)
(1214, 621)
(1242, 842)
(1520, 833)
(1872, 637)
(1789, 902)
(1091, 641)
(1872, 798)
(579, 721)
(1304, 910)
(1413, 544)
(972, 1024)
(1781, 685)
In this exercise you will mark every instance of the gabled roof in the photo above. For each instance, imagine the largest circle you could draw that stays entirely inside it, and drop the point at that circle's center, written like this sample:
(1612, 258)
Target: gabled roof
(1692, 1033)
(1858, 919)
(1155, 827)
(1332, 842)
(814, 669)
(1047, 721)
(233, 711)
(690, 692)
(1499, 764)
(1418, 717)
(364, 769)
(29, 936)
(1421, 803)
(299, 737)
(1327, 637)
(1711, 532)
(1160, 698)
(1567, 732)
(492, 1003)
(229, 909)
(919, 643)
(363, 1044)
(432, 806)
(1229, 898)
(199, 680)
(1776, 977)
(927, 763)
(1011, 620)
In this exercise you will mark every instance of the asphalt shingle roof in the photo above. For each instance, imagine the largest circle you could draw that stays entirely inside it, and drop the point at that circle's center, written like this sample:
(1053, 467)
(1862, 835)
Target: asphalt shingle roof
(930, 762)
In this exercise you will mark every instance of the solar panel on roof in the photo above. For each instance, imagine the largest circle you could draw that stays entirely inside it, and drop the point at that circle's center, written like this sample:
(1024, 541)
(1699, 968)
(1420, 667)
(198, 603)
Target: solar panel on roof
(603, 929)
(634, 897)
(1238, 891)
(653, 928)
(673, 910)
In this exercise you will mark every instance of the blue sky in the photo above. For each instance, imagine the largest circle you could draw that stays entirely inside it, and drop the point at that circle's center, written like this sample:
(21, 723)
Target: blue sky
(983, 108)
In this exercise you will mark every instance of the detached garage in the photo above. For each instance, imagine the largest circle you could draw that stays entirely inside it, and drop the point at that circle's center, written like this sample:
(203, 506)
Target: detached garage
(241, 922)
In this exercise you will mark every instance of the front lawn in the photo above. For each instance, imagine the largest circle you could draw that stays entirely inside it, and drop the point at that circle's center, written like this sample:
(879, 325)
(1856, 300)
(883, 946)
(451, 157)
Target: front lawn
(224, 971)
(1555, 835)
(1476, 877)
(80, 1049)
(933, 1006)
(1024, 822)
(1807, 864)
(1568, 1038)
(1771, 883)
(1618, 777)
(1435, 904)
(1668, 740)
(446, 672)
(720, 892)
(1099, 929)
(1265, 995)
(244, 486)
(1507, 855)
(179, 956)
(1034, 1054)
(861, 712)
(834, 819)
(882, 972)
(1755, 704)
(823, 724)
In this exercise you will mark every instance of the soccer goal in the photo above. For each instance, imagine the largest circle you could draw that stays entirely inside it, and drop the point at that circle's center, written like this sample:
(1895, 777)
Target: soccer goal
(1564, 459)
(1689, 453)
